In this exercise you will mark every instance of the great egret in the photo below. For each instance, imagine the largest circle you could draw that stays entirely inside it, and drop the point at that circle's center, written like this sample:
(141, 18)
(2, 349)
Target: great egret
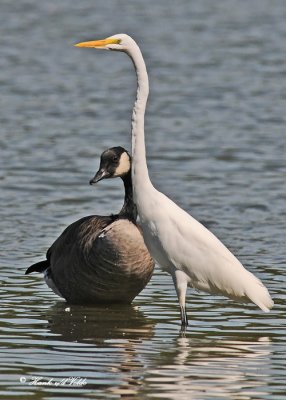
(101, 258)
(181, 245)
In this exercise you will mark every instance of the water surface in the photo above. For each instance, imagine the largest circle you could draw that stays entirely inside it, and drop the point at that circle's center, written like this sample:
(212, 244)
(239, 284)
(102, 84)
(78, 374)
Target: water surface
(215, 132)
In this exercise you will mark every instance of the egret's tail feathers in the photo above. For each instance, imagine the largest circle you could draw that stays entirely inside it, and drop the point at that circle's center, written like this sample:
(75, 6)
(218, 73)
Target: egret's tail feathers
(261, 297)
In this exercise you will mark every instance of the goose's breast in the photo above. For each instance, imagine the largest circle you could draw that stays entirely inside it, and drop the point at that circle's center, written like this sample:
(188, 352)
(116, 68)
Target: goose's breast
(111, 266)
(122, 243)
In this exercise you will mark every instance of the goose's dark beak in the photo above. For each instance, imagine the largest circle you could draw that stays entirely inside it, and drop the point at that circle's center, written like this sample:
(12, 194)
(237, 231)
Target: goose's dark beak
(101, 174)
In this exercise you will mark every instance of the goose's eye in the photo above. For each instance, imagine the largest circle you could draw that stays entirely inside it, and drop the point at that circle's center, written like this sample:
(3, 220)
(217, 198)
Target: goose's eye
(115, 158)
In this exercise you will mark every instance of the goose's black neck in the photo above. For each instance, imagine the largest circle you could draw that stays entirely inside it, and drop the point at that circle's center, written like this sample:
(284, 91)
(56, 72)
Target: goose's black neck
(128, 209)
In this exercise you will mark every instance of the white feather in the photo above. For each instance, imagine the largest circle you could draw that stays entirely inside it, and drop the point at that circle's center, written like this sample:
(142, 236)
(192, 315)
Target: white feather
(180, 244)
(176, 239)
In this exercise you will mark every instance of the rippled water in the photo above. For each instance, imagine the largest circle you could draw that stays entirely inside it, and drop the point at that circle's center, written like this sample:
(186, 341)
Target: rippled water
(215, 131)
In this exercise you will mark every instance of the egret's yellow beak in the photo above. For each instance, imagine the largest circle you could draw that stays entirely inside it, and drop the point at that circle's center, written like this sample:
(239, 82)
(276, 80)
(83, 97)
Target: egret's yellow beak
(98, 44)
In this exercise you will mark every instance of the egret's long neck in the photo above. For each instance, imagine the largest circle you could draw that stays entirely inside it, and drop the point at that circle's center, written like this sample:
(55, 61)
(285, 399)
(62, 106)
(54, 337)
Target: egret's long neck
(140, 176)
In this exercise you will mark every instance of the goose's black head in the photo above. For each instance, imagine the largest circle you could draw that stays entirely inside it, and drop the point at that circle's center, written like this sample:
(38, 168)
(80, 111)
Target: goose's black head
(114, 162)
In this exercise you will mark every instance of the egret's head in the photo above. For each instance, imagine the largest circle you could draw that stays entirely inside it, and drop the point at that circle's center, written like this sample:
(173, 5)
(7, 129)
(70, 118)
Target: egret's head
(114, 162)
(119, 42)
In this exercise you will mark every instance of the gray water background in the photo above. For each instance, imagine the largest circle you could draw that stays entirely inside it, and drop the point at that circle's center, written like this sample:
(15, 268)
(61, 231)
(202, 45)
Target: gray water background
(215, 133)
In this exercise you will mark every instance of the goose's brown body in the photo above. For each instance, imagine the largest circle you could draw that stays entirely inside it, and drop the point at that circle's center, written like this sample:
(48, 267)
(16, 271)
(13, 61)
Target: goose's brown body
(100, 260)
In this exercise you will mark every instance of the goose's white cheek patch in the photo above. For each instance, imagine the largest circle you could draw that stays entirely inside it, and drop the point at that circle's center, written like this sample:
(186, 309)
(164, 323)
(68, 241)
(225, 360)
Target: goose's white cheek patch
(124, 165)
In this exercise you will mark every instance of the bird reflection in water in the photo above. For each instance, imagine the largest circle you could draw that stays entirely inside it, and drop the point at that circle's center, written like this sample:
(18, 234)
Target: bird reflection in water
(96, 324)
(232, 366)
(120, 329)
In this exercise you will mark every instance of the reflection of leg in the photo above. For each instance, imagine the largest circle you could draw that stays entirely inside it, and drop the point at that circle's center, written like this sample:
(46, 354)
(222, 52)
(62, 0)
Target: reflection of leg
(181, 282)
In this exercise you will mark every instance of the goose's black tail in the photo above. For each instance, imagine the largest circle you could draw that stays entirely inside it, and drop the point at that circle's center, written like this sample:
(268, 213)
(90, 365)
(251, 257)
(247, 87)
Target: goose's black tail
(38, 267)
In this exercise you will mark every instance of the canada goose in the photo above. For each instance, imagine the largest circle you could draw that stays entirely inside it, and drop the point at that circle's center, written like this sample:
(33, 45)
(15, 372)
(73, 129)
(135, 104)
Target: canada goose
(101, 259)
(181, 245)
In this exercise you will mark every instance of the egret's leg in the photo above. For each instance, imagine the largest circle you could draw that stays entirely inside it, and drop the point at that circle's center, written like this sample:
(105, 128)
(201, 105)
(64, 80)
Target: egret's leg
(181, 283)
(184, 317)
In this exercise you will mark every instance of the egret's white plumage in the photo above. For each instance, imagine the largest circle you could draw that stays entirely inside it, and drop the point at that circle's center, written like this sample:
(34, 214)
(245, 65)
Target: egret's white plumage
(180, 244)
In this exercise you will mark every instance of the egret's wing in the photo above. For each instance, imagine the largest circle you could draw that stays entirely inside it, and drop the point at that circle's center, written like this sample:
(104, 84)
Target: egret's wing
(209, 265)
